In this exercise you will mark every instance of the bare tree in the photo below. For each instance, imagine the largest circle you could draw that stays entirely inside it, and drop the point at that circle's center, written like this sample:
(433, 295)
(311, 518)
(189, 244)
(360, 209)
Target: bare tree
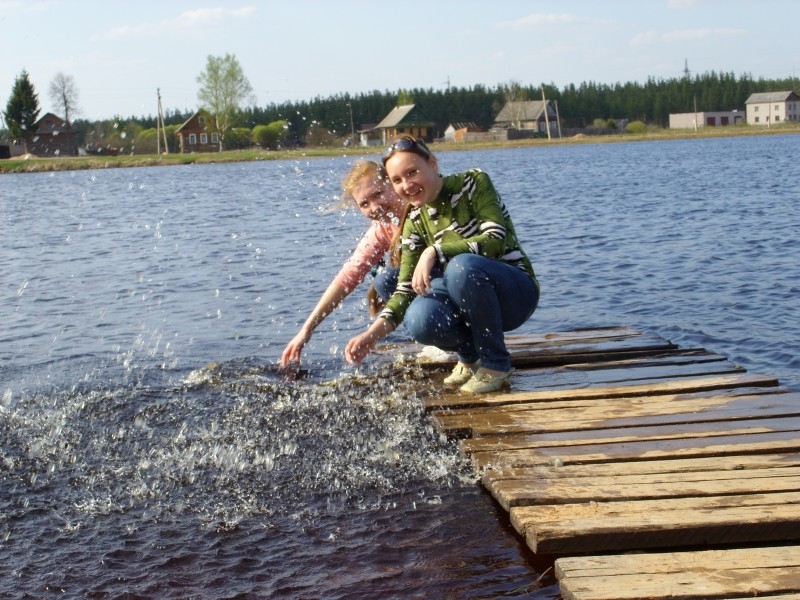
(64, 94)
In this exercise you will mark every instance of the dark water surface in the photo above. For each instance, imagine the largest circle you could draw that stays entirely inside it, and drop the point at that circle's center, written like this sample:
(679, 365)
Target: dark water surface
(149, 448)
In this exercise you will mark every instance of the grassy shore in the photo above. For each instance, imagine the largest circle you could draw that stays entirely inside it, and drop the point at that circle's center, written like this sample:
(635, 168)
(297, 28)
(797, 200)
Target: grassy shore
(37, 164)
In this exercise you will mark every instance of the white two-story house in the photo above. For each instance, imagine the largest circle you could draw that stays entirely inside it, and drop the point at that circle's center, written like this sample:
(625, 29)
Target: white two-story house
(768, 108)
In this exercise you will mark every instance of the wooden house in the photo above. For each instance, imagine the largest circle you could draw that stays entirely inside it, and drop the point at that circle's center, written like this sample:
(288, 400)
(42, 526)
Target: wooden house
(53, 137)
(767, 108)
(405, 120)
(529, 115)
(198, 134)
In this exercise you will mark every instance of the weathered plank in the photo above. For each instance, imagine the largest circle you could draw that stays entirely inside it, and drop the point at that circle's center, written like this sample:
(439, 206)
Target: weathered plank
(640, 479)
(531, 355)
(663, 523)
(645, 437)
(577, 472)
(622, 412)
(681, 386)
(733, 573)
(759, 443)
(556, 338)
(657, 563)
(520, 492)
(617, 372)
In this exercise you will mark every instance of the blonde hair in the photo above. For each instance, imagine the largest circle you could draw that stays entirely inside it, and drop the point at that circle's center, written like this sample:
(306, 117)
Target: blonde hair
(360, 171)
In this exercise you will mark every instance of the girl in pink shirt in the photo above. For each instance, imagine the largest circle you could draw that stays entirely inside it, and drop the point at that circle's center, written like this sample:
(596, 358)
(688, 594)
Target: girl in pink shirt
(368, 186)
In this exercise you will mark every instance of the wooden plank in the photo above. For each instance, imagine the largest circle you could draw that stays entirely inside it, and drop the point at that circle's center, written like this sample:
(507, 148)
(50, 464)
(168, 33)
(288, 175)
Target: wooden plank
(577, 376)
(674, 356)
(571, 335)
(587, 351)
(656, 563)
(547, 401)
(645, 438)
(681, 386)
(737, 463)
(763, 443)
(511, 493)
(664, 523)
(636, 509)
(622, 412)
(733, 573)
(691, 585)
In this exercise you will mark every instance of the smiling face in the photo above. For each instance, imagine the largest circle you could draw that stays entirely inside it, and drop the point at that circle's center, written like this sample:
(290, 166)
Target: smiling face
(376, 199)
(415, 179)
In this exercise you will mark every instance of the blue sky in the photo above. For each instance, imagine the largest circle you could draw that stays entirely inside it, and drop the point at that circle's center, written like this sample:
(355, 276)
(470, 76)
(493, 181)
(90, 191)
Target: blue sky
(120, 53)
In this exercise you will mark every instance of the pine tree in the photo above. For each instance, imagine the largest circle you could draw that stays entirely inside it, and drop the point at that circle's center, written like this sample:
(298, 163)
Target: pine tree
(22, 110)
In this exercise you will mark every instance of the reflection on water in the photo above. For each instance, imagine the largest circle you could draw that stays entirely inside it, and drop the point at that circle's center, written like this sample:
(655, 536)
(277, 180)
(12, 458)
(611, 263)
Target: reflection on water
(151, 448)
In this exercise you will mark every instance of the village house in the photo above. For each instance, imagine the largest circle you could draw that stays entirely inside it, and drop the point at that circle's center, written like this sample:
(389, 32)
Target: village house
(405, 120)
(767, 108)
(53, 137)
(197, 135)
(531, 116)
(705, 119)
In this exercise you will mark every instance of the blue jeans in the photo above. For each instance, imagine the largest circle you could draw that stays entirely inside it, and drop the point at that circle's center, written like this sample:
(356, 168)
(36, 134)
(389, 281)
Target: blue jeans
(476, 300)
(385, 282)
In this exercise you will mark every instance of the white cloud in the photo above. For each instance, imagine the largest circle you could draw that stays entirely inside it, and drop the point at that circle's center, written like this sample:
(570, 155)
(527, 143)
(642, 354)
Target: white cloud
(680, 3)
(207, 16)
(537, 19)
(16, 5)
(650, 37)
(192, 19)
(643, 38)
(698, 34)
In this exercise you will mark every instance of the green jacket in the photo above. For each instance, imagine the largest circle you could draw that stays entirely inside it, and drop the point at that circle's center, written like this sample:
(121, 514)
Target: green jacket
(467, 216)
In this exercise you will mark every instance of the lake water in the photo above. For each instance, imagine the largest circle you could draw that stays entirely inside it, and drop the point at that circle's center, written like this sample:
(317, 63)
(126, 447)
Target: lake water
(149, 447)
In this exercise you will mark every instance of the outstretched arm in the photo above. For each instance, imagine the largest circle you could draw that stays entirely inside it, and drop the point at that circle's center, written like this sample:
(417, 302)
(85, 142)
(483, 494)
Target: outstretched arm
(361, 345)
(330, 299)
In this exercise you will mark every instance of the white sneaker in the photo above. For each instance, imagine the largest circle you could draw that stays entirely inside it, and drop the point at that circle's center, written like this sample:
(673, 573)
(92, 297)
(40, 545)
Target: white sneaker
(461, 374)
(483, 382)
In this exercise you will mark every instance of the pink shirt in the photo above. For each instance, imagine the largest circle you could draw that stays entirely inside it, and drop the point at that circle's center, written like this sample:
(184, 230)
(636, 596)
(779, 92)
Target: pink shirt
(373, 245)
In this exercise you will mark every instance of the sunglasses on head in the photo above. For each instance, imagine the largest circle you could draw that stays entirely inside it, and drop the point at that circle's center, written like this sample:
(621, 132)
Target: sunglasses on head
(406, 145)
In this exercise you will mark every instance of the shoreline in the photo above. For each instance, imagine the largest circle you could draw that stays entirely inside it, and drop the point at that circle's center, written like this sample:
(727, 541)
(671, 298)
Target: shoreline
(40, 165)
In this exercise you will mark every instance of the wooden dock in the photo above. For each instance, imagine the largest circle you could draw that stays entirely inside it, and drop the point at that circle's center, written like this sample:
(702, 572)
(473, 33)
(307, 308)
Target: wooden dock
(651, 471)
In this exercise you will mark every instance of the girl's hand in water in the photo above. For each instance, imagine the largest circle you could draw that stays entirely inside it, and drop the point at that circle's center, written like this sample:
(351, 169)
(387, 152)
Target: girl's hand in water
(291, 354)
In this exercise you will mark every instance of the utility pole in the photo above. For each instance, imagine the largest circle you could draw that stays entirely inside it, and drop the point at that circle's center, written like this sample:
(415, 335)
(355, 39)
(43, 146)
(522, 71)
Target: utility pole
(352, 126)
(546, 118)
(160, 128)
(558, 119)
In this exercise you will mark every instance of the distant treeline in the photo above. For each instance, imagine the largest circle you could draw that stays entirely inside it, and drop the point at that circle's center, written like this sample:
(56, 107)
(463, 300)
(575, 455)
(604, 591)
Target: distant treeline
(579, 106)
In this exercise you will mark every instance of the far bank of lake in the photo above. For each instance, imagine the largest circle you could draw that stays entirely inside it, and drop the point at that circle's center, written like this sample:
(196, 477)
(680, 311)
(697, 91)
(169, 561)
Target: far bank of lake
(32, 164)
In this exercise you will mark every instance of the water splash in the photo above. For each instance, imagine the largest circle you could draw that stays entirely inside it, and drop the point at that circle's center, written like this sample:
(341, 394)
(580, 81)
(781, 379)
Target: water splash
(233, 441)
